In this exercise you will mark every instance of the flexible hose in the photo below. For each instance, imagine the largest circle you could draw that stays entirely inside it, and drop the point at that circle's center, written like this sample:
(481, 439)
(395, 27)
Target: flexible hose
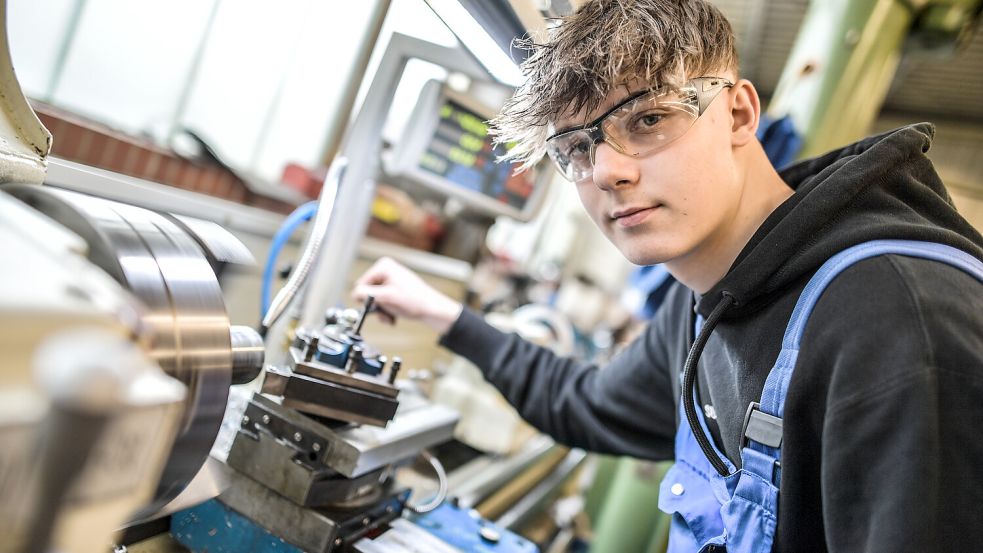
(434, 502)
(299, 216)
(298, 277)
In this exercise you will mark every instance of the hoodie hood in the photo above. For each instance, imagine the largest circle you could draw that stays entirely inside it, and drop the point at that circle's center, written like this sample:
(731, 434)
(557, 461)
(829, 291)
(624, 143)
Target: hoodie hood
(883, 187)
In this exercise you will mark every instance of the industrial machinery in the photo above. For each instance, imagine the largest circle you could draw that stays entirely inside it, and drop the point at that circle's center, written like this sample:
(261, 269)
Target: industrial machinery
(120, 370)
(118, 354)
(311, 466)
(313, 459)
(120, 366)
(162, 268)
(87, 417)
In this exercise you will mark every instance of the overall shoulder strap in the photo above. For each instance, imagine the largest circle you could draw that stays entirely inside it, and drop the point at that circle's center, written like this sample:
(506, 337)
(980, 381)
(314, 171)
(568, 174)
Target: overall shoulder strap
(763, 423)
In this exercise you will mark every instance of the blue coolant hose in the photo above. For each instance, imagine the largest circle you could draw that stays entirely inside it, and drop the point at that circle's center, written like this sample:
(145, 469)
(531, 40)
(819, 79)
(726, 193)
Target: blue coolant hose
(299, 216)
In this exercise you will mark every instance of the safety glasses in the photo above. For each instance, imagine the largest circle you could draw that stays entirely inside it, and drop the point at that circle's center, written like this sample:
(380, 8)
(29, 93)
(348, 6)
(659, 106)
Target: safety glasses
(638, 126)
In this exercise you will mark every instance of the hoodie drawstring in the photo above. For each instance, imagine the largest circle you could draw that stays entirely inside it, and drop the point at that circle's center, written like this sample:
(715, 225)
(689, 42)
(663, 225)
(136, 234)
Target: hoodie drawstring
(689, 381)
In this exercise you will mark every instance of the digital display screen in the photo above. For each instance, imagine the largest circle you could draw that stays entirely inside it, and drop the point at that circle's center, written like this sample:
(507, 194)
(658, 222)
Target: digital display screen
(461, 152)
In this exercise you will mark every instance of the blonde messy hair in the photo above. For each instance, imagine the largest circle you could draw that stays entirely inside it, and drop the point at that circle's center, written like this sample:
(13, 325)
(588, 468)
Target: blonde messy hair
(606, 44)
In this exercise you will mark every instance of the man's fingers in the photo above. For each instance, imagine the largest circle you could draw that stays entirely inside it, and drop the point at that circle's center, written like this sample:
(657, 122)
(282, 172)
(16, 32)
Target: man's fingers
(364, 290)
(381, 282)
(374, 276)
(384, 315)
(382, 297)
(385, 297)
(378, 273)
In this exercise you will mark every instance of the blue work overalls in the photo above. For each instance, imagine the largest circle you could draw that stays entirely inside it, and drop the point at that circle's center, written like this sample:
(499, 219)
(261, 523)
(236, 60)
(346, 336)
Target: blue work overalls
(738, 513)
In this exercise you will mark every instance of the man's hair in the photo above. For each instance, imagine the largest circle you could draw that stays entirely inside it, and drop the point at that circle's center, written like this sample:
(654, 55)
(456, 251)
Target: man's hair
(606, 44)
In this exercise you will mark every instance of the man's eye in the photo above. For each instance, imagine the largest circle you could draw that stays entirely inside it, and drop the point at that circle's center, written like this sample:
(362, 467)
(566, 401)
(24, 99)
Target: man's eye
(647, 122)
(578, 150)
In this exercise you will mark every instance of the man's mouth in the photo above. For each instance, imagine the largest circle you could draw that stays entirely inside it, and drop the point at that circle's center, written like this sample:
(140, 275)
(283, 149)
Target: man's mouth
(632, 216)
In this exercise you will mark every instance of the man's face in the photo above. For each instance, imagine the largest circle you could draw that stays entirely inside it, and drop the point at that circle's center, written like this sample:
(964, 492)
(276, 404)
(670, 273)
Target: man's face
(669, 204)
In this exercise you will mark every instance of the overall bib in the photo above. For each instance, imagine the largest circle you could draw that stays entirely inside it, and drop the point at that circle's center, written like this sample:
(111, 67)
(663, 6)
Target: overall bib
(738, 513)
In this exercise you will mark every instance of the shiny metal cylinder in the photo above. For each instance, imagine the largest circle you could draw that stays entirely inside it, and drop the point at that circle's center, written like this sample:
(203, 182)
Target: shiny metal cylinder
(247, 354)
(166, 269)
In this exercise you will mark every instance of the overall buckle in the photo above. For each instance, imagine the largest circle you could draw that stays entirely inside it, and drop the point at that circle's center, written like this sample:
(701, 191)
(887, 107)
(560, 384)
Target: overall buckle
(761, 427)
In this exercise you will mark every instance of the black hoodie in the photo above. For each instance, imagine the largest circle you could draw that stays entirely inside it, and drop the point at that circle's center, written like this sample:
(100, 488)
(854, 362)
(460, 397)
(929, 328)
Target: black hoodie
(883, 426)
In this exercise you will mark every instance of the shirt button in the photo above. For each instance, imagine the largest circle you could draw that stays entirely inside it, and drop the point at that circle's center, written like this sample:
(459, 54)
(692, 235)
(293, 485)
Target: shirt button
(677, 489)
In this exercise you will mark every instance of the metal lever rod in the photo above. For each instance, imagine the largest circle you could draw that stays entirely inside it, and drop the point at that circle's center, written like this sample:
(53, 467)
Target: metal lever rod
(369, 302)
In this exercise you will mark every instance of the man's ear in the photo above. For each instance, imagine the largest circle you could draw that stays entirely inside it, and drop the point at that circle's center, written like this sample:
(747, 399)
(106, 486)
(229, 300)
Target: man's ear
(745, 112)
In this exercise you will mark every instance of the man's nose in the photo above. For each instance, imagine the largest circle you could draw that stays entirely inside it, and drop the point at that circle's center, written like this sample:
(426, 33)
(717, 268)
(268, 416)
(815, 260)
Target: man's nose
(613, 169)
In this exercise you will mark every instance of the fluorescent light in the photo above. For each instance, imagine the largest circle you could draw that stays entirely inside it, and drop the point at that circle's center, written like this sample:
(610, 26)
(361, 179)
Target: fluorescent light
(477, 40)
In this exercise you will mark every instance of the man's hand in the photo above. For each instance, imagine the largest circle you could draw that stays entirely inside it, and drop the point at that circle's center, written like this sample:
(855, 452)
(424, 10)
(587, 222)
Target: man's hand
(400, 292)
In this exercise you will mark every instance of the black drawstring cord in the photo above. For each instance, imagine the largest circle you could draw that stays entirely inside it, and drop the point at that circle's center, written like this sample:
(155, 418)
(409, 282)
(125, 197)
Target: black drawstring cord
(689, 380)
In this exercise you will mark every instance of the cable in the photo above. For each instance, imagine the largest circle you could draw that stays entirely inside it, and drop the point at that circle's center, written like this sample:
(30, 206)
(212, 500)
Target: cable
(441, 487)
(689, 382)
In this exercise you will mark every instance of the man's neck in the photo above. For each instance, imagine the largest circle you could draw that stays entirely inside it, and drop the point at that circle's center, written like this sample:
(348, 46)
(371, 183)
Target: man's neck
(704, 267)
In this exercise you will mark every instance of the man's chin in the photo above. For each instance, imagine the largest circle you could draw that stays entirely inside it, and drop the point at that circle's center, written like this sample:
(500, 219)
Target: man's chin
(642, 256)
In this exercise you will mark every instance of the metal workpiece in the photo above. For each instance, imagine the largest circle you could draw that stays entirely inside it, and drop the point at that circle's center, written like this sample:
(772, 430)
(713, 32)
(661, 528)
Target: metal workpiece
(166, 269)
(248, 352)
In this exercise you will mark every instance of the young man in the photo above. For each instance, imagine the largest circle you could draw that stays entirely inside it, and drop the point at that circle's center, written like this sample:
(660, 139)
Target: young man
(639, 104)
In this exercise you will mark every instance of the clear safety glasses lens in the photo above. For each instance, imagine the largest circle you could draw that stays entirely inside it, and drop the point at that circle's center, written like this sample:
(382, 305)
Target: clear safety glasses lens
(639, 127)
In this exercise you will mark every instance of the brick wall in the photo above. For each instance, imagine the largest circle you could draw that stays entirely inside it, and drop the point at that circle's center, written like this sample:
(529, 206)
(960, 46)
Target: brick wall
(81, 140)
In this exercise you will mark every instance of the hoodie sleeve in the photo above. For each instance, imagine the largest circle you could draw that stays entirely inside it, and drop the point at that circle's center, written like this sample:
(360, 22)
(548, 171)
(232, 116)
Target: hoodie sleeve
(900, 448)
(623, 408)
